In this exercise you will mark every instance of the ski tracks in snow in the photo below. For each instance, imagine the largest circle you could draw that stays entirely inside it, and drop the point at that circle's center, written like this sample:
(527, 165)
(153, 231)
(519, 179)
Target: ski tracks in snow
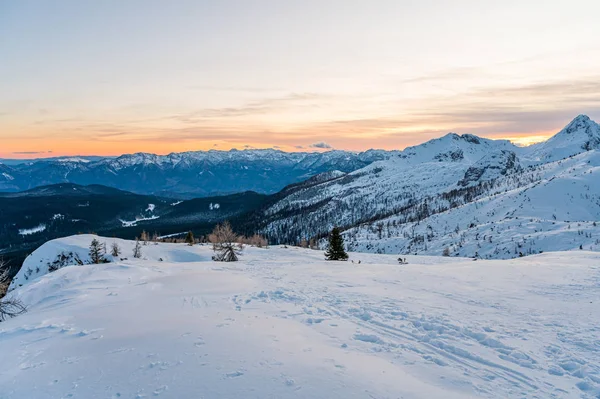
(437, 332)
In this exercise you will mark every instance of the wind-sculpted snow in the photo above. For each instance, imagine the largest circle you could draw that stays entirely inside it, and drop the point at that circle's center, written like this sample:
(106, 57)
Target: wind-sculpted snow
(284, 323)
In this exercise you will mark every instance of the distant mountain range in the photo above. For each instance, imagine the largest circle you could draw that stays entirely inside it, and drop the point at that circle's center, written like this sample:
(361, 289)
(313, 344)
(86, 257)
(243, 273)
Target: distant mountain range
(461, 195)
(187, 174)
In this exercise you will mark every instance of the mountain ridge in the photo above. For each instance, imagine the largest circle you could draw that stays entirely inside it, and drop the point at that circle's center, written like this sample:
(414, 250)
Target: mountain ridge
(394, 200)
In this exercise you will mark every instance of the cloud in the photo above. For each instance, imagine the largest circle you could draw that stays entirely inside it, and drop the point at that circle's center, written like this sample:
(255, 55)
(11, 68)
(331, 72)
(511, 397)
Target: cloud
(320, 144)
(263, 106)
(31, 152)
(299, 147)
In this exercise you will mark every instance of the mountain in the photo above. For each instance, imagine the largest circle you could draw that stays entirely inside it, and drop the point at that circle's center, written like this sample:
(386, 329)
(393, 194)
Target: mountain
(188, 174)
(582, 134)
(477, 197)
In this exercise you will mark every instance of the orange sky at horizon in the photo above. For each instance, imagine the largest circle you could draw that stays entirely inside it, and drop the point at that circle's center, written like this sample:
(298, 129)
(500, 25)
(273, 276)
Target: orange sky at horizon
(46, 148)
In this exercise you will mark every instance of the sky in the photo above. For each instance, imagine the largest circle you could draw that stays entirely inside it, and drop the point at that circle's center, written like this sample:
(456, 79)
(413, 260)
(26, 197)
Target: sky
(121, 76)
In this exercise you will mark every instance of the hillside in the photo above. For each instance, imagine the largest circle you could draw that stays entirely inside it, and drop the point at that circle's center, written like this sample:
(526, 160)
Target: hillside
(284, 323)
(475, 196)
(32, 217)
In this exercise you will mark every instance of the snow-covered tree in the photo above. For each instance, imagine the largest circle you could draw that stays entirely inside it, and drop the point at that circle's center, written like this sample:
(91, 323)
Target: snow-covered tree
(137, 250)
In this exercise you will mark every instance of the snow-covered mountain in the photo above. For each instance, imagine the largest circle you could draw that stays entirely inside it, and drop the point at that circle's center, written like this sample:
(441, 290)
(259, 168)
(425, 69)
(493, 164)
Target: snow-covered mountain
(581, 135)
(285, 323)
(198, 173)
(474, 196)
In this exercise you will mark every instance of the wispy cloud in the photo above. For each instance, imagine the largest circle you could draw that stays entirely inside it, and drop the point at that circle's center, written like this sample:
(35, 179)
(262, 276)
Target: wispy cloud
(31, 152)
(320, 144)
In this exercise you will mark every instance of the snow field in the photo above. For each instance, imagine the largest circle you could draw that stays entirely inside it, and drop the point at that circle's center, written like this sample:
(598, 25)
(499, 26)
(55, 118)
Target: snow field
(284, 323)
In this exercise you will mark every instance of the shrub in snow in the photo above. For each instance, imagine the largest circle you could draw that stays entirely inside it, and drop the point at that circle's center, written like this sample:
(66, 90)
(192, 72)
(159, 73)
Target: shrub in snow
(258, 241)
(9, 307)
(225, 243)
(336, 250)
(115, 250)
(64, 259)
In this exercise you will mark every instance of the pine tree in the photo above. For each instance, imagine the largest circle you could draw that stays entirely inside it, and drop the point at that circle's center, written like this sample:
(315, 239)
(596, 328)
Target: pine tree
(189, 239)
(336, 251)
(97, 252)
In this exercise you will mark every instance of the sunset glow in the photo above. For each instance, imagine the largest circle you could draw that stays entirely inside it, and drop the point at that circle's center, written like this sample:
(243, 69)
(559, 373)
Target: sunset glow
(106, 78)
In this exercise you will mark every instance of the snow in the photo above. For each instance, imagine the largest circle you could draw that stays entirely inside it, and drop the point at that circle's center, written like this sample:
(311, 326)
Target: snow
(176, 203)
(132, 223)
(283, 323)
(556, 211)
(33, 230)
(150, 208)
(7, 176)
(73, 159)
(214, 207)
(172, 235)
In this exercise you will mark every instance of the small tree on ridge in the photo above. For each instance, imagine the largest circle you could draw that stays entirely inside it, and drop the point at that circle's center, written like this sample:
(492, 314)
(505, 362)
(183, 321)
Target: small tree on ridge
(97, 252)
(225, 243)
(336, 250)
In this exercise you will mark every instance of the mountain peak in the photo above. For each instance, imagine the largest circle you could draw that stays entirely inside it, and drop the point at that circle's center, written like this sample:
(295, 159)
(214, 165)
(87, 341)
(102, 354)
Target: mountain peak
(578, 123)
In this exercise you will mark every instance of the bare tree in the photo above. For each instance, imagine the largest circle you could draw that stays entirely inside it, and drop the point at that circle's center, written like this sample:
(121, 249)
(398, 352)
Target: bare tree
(145, 237)
(258, 241)
(9, 307)
(225, 243)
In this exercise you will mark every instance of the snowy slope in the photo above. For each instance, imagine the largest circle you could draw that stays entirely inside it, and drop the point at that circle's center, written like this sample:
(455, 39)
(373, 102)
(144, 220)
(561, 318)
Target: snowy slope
(283, 323)
(479, 197)
(555, 207)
